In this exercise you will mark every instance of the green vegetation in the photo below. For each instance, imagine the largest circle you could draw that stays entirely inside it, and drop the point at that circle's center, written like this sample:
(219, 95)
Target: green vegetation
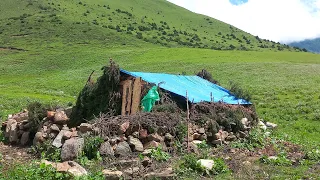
(159, 155)
(91, 147)
(48, 50)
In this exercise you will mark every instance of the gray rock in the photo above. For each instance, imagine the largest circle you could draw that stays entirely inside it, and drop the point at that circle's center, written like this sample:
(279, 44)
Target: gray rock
(168, 137)
(55, 128)
(245, 121)
(123, 149)
(65, 127)
(271, 125)
(135, 143)
(203, 137)
(72, 148)
(155, 137)
(231, 138)
(38, 138)
(12, 131)
(135, 134)
(201, 131)
(112, 175)
(85, 127)
(58, 141)
(162, 174)
(106, 149)
(261, 125)
(24, 138)
(218, 142)
(132, 170)
(207, 163)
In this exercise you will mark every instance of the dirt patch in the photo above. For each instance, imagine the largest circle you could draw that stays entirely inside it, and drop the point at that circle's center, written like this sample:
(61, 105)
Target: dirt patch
(14, 154)
(11, 49)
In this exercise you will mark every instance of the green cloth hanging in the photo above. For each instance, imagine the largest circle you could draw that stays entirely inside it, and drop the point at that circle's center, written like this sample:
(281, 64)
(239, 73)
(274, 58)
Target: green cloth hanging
(150, 99)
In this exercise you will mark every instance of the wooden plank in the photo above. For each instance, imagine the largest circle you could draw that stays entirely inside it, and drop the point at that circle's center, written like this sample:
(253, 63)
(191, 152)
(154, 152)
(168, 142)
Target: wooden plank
(124, 99)
(129, 97)
(136, 96)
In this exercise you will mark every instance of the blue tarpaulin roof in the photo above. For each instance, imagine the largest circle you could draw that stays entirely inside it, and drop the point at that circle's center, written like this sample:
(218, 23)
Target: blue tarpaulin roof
(198, 88)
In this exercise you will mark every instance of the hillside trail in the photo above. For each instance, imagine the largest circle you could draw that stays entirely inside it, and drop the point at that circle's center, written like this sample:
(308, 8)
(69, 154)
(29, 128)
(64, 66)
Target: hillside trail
(10, 155)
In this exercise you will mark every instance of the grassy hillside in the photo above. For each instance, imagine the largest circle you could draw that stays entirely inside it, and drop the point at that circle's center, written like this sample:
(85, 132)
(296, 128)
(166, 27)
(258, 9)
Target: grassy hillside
(312, 45)
(50, 24)
(48, 49)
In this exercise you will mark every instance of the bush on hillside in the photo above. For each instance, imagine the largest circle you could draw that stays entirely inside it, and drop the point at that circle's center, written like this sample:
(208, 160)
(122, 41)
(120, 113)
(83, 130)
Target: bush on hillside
(102, 96)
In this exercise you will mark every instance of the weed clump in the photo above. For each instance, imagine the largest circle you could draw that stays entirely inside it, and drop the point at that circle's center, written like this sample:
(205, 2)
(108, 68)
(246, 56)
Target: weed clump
(236, 90)
(102, 96)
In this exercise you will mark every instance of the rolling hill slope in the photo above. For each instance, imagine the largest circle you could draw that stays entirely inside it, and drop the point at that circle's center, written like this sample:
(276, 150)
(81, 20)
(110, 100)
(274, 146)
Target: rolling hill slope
(30, 24)
(312, 45)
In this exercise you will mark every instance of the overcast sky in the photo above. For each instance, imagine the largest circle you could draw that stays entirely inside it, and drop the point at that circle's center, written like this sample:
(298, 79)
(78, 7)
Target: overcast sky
(277, 20)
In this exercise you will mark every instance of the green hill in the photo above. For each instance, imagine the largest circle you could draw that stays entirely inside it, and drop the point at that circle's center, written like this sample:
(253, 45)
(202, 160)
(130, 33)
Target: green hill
(312, 45)
(48, 48)
(28, 24)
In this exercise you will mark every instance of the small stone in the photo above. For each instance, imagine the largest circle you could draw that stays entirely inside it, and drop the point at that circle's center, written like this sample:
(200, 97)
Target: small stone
(242, 134)
(218, 142)
(196, 142)
(151, 144)
(267, 133)
(196, 136)
(203, 137)
(123, 149)
(114, 140)
(162, 174)
(135, 143)
(232, 151)
(60, 117)
(231, 138)
(201, 131)
(272, 157)
(271, 125)
(112, 175)
(207, 163)
(106, 149)
(245, 121)
(72, 149)
(131, 171)
(54, 127)
(135, 134)
(143, 133)
(246, 163)
(146, 152)
(50, 115)
(38, 138)
(65, 127)
(261, 125)
(168, 137)
(24, 138)
(67, 135)
(85, 127)
(123, 127)
(155, 137)
(58, 141)
(76, 170)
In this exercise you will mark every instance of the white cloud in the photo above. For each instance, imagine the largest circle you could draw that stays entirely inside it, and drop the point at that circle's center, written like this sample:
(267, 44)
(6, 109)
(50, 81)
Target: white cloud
(278, 20)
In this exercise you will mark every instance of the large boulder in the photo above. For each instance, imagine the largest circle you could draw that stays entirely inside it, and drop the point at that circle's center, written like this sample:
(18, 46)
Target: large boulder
(135, 143)
(72, 149)
(106, 149)
(123, 149)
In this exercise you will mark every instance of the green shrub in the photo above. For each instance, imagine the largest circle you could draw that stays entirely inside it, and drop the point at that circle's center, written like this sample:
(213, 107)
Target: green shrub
(33, 171)
(159, 155)
(314, 154)
(256, 139)
(91, 147)
(46, 151)
(182, 132)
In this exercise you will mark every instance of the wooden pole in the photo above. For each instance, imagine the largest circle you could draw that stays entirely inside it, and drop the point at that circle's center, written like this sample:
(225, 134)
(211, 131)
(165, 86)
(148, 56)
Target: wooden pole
(188, 117)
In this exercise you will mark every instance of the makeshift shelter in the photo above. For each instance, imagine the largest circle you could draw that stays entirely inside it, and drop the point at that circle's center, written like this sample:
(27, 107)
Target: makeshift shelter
(198, 89)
